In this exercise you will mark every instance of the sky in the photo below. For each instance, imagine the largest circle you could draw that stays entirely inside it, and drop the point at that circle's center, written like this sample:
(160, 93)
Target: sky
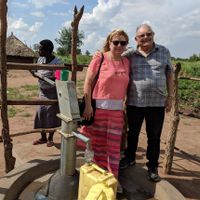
(176, 23)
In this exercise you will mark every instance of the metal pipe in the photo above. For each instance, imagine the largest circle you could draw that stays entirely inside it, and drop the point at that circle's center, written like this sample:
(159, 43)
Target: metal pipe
(44, 78)
(80, 136)
(68, 150)
(68, 156)
(89, 154)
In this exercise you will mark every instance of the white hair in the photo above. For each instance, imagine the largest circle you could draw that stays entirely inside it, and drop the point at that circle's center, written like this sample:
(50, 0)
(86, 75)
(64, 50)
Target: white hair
(146, 25)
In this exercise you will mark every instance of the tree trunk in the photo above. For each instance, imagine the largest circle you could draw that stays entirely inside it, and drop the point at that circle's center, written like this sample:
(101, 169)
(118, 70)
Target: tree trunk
(74, 24)
(169, 151)
(9, 159)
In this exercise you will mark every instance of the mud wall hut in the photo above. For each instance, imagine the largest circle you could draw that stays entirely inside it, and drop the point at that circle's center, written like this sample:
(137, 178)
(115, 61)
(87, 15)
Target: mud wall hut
(17, 51)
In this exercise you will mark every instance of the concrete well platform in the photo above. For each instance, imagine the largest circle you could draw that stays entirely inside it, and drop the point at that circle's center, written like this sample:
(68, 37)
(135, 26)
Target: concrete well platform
(22, 182)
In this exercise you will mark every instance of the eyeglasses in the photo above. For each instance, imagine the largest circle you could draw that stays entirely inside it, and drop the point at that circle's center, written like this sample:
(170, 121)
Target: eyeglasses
(122, 43)
(150, 34)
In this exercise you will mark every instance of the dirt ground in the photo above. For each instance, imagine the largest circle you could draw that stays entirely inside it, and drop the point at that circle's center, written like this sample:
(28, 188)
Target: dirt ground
(185, 175)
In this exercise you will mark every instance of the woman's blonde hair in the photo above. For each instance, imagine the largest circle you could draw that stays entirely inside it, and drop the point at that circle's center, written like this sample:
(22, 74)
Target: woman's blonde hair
(115, 32)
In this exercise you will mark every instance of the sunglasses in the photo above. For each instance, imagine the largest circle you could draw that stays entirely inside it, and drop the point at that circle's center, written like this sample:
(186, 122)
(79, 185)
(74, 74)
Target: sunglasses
(145, 34)
(122, 43)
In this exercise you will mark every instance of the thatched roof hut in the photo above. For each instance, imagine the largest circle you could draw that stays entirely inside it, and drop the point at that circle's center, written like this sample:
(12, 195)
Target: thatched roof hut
(17, 51)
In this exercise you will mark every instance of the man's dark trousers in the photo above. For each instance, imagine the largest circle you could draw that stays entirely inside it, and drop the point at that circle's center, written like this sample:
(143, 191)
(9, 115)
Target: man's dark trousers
(154, 118)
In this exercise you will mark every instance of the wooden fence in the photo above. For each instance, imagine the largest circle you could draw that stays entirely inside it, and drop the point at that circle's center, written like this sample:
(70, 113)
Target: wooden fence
(4, 66)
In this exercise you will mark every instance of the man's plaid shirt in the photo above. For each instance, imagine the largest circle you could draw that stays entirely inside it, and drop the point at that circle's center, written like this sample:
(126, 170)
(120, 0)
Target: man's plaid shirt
(148, 77)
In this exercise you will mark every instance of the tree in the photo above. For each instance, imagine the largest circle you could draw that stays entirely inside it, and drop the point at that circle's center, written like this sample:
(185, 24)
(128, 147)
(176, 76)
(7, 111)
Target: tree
(87, 53)
(65, 41)
(36, 47)
(194, 57)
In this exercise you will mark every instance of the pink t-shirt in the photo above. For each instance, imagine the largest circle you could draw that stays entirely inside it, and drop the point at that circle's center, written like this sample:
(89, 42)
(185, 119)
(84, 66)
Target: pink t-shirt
(113, 78)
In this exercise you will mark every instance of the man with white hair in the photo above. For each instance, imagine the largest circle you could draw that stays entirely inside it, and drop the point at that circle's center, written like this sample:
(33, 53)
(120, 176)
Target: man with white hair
(151, 73)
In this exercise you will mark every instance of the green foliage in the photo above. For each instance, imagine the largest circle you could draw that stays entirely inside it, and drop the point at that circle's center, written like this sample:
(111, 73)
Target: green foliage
(61, 51)
(30, 87)
(189, 68)
(23, 93)
(189, 94)
(65, 39)
(12, 111)
(194, 57)
(192, 69)
(65, 59)
(14, 93)
(81, 59)
(25, 114)
(87, 53)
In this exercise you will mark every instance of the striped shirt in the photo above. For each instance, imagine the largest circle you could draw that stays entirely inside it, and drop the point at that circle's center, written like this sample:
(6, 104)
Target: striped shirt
(148, 77)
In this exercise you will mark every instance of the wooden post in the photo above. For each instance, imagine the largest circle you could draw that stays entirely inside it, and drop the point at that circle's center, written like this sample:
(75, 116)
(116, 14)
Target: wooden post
(169, 151)
(74, 25)
(9, 159)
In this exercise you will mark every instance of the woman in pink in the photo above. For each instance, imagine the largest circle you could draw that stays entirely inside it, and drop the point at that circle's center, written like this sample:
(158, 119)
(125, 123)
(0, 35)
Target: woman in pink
(109, 92)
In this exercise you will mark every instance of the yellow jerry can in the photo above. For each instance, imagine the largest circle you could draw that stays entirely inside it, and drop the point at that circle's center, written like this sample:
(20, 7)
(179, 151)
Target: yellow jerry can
(96, 183)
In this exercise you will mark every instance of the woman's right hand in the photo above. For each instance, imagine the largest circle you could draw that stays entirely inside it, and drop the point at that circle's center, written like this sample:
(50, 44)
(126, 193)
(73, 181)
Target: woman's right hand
(88, 112)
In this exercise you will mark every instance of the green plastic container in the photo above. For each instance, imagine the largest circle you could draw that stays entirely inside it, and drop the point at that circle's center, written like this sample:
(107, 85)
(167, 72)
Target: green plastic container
(64, 75)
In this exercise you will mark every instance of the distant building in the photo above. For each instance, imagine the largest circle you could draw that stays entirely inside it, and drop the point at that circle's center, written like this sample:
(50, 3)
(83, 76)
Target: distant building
(18, 52)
